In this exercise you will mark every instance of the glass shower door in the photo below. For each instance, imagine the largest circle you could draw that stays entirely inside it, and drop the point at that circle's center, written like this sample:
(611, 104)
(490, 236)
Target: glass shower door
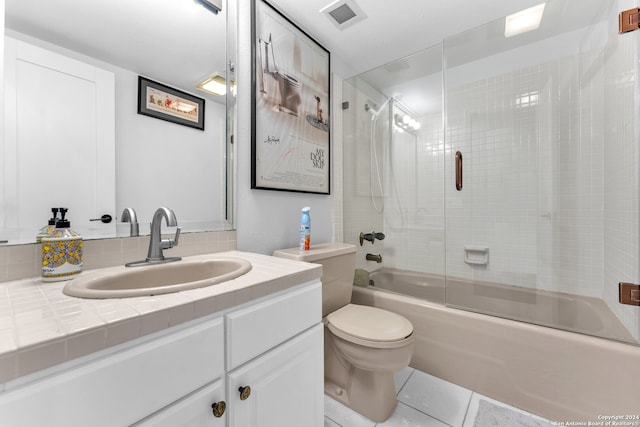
(545, 225)
(394, 173)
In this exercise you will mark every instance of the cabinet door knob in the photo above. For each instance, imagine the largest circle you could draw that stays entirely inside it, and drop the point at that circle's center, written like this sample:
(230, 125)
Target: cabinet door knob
(219, 408)
(245, 392)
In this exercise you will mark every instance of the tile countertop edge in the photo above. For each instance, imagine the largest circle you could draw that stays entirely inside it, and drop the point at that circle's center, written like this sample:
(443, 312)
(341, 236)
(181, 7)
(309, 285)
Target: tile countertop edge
(50, 328)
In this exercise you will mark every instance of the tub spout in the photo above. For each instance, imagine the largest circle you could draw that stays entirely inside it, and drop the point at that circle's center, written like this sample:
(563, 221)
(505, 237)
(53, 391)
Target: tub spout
(376, 258)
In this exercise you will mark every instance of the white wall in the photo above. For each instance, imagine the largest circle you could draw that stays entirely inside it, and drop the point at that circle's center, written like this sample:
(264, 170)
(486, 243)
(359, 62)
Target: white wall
(183, 167)
(2, 220)
(268, 220)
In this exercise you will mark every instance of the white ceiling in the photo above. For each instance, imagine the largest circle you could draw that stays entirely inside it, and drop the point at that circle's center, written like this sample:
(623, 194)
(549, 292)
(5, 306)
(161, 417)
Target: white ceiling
(180, 37)
(178, 42)
(393, 29)
(173, 41)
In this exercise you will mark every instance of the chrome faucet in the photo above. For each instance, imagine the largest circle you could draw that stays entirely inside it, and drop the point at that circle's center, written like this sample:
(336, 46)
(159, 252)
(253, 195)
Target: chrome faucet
(157, 244)
(129, 215)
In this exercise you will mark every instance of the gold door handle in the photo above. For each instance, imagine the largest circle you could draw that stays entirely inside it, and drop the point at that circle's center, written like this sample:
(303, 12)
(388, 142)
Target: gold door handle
(219, 408)
(245, 392)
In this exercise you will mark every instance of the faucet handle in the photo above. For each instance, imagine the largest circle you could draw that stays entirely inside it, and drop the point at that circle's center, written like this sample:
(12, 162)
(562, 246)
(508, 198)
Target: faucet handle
(170, 243)
(175, 240)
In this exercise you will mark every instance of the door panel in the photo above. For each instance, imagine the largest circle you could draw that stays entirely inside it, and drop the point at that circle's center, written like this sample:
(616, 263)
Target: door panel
(59, 124)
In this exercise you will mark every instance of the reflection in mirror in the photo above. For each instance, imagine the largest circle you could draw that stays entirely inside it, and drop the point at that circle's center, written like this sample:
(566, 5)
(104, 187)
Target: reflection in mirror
(72, 136)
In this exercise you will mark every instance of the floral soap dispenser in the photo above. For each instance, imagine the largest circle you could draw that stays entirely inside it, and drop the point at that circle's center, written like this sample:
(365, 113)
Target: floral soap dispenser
(61, 252)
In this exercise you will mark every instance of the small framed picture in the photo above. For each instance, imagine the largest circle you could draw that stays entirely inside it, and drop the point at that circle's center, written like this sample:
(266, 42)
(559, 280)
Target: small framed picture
(170, 104)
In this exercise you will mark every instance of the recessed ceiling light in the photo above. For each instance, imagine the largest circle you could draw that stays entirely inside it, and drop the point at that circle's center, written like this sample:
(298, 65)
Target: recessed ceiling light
(523, 21)
(215, 84)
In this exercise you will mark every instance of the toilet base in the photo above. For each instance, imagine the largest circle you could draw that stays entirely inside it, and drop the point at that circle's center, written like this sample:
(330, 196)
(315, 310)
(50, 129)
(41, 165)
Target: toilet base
(372, 394)
(368, 387)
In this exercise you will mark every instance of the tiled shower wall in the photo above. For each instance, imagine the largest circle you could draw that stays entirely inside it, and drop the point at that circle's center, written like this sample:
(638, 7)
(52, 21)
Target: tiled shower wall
(359, 178)
(551, 172)
(620, 161)
(410, 210)
(414, 206)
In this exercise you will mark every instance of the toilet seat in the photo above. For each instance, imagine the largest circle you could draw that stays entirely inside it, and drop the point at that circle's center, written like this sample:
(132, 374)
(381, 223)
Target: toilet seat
(369, 326)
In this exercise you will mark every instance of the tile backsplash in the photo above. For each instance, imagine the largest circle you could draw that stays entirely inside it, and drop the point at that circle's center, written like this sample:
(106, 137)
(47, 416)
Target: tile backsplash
(23, 261)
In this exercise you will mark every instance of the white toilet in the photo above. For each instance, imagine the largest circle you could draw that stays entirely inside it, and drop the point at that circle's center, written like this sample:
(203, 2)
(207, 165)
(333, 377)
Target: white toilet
(364, 346)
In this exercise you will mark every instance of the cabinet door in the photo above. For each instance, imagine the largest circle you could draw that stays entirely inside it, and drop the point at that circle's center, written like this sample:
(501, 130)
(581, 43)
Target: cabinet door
(124, 387)
(193, 411)
(287, 385)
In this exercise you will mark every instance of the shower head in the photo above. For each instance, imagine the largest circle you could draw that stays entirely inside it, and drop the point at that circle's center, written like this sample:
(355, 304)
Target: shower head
(371, 109)
(375, 112)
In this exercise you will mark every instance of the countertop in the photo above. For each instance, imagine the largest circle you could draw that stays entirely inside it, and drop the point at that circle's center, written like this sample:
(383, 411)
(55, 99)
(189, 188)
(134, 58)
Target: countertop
(41, 327)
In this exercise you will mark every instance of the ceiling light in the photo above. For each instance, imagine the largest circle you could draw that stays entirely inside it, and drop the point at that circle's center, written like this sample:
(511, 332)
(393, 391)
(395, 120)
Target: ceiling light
(404, 122)
(523, 21)
(214, 6)
(215, 84)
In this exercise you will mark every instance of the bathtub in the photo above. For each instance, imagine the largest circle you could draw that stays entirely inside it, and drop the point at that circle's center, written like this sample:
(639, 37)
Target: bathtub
(575, 313)
(559, 375)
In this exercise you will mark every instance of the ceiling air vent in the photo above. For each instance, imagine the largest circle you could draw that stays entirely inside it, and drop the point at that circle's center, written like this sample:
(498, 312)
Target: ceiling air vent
(343, 13)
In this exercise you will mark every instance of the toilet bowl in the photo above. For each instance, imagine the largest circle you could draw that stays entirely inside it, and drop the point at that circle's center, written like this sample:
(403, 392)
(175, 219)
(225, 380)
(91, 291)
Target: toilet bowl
(364, 346)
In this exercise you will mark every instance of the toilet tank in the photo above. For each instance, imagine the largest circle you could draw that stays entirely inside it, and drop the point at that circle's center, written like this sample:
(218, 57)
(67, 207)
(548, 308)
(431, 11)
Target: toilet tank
(338, 266)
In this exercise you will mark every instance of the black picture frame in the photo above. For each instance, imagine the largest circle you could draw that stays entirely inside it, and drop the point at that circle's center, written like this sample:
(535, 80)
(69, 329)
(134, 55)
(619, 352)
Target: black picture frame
(291, 106)
(170, 104)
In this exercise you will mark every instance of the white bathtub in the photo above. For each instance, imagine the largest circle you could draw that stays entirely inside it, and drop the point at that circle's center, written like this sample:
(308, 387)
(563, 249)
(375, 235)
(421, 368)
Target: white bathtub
(559, 375)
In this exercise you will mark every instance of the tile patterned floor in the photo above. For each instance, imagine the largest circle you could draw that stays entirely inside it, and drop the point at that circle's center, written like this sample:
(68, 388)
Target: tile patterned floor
(423, 401)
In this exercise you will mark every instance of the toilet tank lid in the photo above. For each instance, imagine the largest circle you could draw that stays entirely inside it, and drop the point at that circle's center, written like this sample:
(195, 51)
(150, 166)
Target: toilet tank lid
(316, 252)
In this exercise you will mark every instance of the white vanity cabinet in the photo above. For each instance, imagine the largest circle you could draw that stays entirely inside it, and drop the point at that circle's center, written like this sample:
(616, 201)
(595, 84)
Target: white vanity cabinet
(195, 410)
(275, 348)
(275, 375)
(171, 379)
(286, 386)
(120, 387)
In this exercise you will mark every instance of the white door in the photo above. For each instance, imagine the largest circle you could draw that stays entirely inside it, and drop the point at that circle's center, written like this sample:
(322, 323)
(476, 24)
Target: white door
(59, 142)
(287, 386)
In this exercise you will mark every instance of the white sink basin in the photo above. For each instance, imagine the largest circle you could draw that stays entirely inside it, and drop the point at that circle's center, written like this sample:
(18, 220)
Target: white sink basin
(156, 279)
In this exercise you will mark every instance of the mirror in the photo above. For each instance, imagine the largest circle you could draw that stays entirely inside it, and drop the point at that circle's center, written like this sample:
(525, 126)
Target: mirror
(157, 163)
